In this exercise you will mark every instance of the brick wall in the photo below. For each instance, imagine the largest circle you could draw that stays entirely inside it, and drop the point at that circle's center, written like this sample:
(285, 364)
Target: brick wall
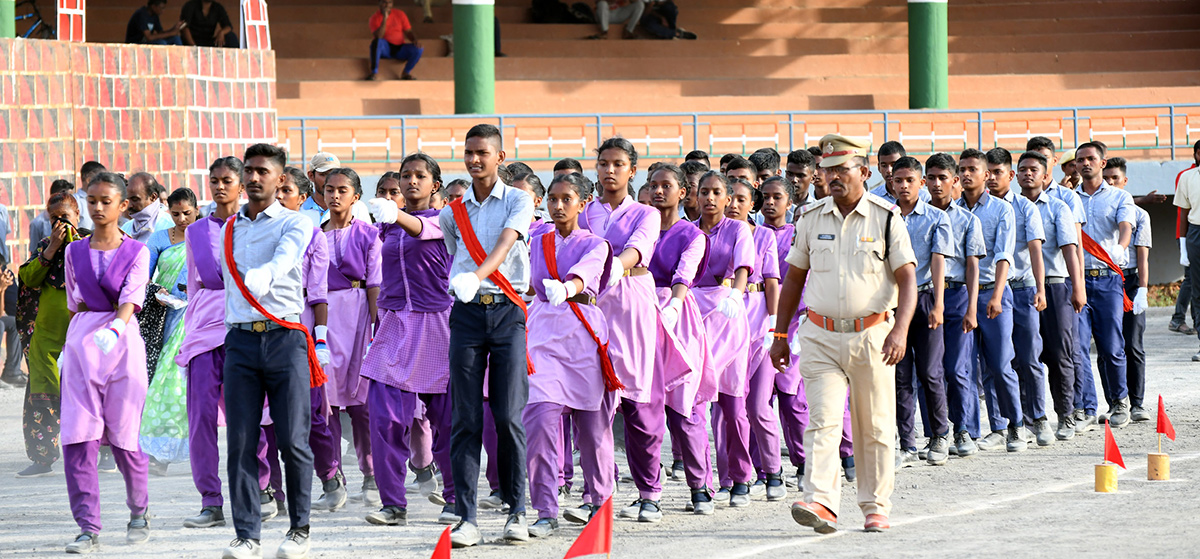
(169, 111)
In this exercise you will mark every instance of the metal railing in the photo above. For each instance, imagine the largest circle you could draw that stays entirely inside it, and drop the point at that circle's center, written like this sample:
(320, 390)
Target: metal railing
(1140, 131)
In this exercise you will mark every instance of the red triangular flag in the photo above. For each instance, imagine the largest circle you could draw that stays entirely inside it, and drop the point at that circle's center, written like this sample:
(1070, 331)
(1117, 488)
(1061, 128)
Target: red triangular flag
(442, 551)
(1111, 452)
(1164, 422)
(596, 537)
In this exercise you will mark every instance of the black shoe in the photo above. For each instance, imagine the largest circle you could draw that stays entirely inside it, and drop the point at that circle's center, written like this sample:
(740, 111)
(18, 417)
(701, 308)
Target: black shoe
(18, 380)
(389, 516)
(702, 502)
(208, 518)
(36, 470)
(848, 466)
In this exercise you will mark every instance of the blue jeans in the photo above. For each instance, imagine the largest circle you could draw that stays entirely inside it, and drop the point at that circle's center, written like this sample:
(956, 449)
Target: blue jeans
(273, 365)
(407, 52)
(995, 338)
(172, 40)
(1102, 320)
(1027, 336)
(487, 339)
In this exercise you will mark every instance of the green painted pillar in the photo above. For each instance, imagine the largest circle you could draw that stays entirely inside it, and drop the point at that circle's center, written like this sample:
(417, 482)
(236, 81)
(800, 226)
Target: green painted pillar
(8, 19)
(474, 57)
(928, 53)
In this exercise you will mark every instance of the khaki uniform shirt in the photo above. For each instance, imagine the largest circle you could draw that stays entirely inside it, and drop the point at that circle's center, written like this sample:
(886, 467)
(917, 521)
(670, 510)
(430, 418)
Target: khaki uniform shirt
(848, 277)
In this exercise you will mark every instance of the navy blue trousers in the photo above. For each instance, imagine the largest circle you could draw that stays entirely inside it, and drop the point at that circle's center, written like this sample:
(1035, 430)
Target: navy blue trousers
(1058, 352)
(922, 361)
(1103, 319)
(1027, 346)
(1001, 388)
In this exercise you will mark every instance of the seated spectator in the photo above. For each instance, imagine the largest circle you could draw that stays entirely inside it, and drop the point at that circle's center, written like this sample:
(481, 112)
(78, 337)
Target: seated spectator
(145, 27)
(208, 25)
(659, 20)
(628, 12)
(557, 11)
(394, 39)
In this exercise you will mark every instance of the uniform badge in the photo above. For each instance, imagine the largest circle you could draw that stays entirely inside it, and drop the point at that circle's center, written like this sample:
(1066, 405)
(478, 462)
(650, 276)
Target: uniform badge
(825, 237)
(866, 239)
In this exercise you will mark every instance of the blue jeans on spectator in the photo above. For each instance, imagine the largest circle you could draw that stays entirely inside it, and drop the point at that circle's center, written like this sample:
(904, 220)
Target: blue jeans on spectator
(172, 40)
(407, 52)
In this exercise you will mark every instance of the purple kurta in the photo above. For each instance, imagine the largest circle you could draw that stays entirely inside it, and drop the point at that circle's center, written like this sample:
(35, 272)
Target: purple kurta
(103, 394)
(563, 353)
(678, 258)
(789, 380)
(354, 257)
(204, 319)
(730, 246)
(630, 307)
(766, 266)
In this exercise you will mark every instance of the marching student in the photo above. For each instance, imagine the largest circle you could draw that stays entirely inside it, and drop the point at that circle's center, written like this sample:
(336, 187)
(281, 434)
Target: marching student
(407, 364)
(720, 296)
(930, 235)
(961, 300)
(1064, 289)
(692, 171)
(1106, 239)
(354, 279)
(679, 257)
(762, 299)
(993, 336)
(1026, 278)
(103, 364)
(630, 306)
(568, 266)
(1134, 323)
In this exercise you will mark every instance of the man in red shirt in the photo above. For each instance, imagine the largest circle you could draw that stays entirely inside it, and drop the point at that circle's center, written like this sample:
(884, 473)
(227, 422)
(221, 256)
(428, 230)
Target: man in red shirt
(394, 38)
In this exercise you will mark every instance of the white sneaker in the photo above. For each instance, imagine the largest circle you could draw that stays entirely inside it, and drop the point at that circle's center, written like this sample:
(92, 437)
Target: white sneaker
(294, 546)
(242, 549)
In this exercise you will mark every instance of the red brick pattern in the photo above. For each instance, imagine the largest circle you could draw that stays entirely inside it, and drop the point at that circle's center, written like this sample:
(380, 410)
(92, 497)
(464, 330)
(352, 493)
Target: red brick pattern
(167, 110)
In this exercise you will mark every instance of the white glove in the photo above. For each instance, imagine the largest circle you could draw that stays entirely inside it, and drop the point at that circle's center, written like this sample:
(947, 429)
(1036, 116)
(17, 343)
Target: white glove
(616, 271)
(670, 314)
(59, 362)
(558, 292)
(465, 286)
(794, 342)
(732, 305)
(1183, 258)
(1122, 259)
(183, 371)
(106, 339)
(770, 332)
(384, 210)
(1139, 301)
(258, 281)
(320, 334)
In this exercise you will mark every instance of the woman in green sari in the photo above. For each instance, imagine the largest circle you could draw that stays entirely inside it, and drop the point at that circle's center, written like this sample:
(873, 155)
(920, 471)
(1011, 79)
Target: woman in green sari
(164, 436)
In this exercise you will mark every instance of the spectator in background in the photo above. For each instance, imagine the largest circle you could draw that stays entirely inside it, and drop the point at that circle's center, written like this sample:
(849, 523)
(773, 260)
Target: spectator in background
(208, 25)
(628, 12)
(767, 161)
(5, 229)
(147, 213)
(145, 27)
(566, 166)
(698, 155)
(87, 172)
(394, 39)
(455, 189)
(8, 325)
(659, 20)
(39, 227)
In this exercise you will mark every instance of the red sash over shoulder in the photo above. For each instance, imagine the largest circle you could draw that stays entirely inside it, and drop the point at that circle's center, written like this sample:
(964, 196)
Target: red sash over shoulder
(463, 221)
(611, 382)
(316, 376)
(1093, 248)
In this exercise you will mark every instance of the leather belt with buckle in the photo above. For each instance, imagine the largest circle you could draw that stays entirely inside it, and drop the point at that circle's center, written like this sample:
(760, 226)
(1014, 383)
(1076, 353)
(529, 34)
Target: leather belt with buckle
(1129, 272)
(986, 286)
(82, 307)
(582, 299)
(261, 326)
(1099, 272)
(1055, 280)
(354, 284)
(490, 299)
(925, 286)
(756, 287)
(635, 272)
(1021, 284)
(951, 284)
(847, 325)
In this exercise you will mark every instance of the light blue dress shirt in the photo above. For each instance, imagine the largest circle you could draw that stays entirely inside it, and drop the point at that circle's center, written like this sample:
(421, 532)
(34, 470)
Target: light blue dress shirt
(275, 239)
(967, 240)
(1070, 198)
(881, 191)
(1029, 227)
(1106, 209)
(504, 208)
(998, 225)
(930, 233)
(1142, 236)
(1058, 223)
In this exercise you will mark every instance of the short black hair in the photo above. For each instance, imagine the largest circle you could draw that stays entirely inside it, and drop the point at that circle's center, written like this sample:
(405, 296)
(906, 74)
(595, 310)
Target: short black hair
(801, 157)
(693, 167)
(815, 151)
(725, 159)
(1039, 142)
(617, 142)
(568, 163)
(1036, 156)
(739, 162)
(1116, 163)
(153, 188)
(1098, 146)
(999, 156)
(701, 155)
(765, 159)
(466, 184)
(891, 148)
(61, 185)
(182, 194)
(273, 153)
(972, 153)
(907, 162)
(517, 168)
(88, 170)
(304, 184)
(943, 161)
(487, 132)
(534, 183)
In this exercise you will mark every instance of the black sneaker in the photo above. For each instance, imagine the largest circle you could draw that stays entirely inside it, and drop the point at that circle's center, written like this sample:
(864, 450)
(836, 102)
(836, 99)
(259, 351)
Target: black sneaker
(36, 470)
(847, 467)
(389, 516)
(208, 518)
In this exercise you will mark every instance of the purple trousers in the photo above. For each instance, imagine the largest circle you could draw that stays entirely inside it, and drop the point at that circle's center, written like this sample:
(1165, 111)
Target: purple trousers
(567, 474)
(544, 439)
(360, 428)
(204, 399)
(764, 428)
(326, 447)
(391, 421)
(645, 427)
(420, 441)
(690, 436)
(731, 431)
(83, 481)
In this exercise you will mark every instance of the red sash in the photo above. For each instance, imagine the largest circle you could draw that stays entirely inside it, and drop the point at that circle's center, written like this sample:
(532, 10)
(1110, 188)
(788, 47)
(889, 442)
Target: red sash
(463, 221)
(316, 376)
(1093, 248)
(611, 382)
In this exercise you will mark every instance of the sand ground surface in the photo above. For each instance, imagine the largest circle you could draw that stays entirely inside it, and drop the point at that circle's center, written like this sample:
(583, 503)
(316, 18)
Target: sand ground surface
(1038, 503)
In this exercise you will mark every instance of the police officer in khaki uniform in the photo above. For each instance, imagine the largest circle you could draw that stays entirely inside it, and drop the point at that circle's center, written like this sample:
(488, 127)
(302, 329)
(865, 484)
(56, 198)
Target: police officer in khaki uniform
(853, 253)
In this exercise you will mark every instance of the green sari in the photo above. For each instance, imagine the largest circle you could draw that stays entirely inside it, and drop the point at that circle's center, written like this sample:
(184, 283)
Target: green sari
(164, 434)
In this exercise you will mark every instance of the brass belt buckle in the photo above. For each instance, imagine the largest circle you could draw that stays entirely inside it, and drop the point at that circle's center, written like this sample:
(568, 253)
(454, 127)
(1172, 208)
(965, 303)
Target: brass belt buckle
(260, 326)
(487, 299)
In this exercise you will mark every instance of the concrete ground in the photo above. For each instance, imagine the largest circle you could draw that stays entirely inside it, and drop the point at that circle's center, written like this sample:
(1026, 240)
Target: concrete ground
(1038, 503)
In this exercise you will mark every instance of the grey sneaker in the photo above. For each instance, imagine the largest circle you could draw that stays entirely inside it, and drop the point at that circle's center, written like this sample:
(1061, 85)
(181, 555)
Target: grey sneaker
(650, 512)
(702, 502)
(369, 496)
(389, 516)
(1196, 357)
(631, 511)
(1066, 427)
(991, 441)
(465, 534)
(1087, 423)
(427, 483)
(906, 458)
(1139, 414)
(581, 514)
(267, 509)
(1120, 413)
(36, 470)
(923, 454)
(448, 517)
(543, 528)
(295, 545)
(515, 529)
(776, 490)
(758, 488)
(739, 495)
(492, 502)
(107, 464)
(208, 518)
(939, 451)
(1016, 442)
(677, 472)
(241, 548)
(86, 542)
(964, 444)
(1042, 432)
(138, 529)
(334, 494)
